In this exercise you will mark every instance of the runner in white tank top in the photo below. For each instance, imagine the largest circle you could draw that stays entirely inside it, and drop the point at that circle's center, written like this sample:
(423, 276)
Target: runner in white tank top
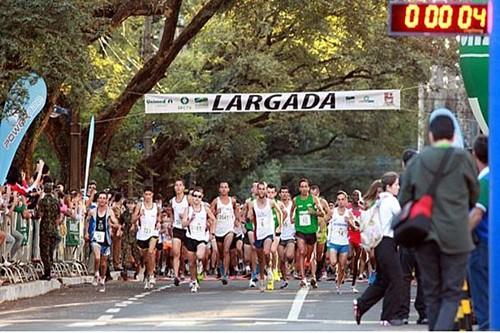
(199, 221)
(179, 205)
(286, 248)
(262, 215)
(338, 239)
(148, 218)
(227, 212)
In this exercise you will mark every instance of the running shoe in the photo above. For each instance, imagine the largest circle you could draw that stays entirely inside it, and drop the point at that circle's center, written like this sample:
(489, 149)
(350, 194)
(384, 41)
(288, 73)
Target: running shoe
(147, 284)
(201, 276)
(314, 284)
(357, 311)
(102, 286)
(262, 286)
(337, 289)
(276, 275)
(270, 282)
(95, 282)
(252, 284)
(194, 286)
(303, 283)
(176, 281)
(284, 284)
(354, 290)
(152, 281)
(224, 280)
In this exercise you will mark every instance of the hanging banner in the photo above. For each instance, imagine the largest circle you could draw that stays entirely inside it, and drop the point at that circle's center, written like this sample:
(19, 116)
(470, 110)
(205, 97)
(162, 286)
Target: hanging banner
(31, 93)
(89, 153)
(273, 102)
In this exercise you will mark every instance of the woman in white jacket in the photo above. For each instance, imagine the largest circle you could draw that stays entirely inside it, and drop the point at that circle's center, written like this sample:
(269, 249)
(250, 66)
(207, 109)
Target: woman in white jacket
(389, 281)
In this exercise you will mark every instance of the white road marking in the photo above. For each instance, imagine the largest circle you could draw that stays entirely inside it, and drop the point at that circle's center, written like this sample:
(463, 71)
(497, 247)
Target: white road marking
(139, 296)
(122, 305)
(133, 299)
(297, 304)
(105, 317)
(113, 310)
(4, 325)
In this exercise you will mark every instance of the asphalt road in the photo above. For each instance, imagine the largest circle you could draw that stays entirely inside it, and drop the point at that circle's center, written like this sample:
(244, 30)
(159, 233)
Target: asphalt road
(127, 306)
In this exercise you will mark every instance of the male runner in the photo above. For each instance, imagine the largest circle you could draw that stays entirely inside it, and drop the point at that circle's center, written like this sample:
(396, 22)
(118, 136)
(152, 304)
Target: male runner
(261, 213)
(286, 248)
(322, 231)
(179, 204)
(306, 209)
(147, 220)
(199, 221)
(249, 240)
(278, 220)
(338, 240)
(97, 230)
(227, 212)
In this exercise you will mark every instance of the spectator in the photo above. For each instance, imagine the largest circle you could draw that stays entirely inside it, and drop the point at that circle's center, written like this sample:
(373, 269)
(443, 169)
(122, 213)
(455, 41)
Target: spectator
(410, 266)
(478, 223)
(442, 258)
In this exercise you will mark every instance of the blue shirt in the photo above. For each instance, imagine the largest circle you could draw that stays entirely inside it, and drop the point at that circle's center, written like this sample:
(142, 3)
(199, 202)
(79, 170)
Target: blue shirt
(483, 203)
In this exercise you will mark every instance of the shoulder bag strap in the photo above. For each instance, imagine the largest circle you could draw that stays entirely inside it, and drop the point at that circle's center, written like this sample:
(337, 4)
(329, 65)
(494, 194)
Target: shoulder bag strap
(439, 173)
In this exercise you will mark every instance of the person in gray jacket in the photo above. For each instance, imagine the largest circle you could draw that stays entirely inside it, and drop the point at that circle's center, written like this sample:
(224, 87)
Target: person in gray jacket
(443, 256)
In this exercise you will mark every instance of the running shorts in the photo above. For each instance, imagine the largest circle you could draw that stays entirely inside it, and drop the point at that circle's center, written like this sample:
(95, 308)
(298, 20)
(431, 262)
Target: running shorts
(310, 239)
(285, 242)
(259, 243)
(179, 234)
(192, 244)
(144, 244)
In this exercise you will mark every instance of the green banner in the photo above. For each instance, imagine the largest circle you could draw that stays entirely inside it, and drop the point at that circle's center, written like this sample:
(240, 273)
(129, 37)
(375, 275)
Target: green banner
(22, 227)
(72, 232)
(474, 64)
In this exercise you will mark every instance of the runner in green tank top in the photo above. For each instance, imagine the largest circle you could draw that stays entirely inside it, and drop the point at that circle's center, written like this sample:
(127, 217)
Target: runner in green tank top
(306, 209)
(250, 256)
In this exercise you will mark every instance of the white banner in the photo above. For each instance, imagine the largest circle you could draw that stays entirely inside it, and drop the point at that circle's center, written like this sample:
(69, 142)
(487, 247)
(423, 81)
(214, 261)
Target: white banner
(274, 102)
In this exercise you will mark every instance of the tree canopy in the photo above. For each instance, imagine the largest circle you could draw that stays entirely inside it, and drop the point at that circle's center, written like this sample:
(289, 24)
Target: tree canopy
(92, 53)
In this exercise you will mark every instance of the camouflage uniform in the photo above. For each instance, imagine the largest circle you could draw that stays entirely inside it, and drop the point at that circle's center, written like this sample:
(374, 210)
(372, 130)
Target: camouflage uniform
(48, 208)
(129, 243)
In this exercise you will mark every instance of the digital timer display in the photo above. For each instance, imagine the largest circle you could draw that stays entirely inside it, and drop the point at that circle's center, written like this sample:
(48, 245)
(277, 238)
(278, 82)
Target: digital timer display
(438, 18)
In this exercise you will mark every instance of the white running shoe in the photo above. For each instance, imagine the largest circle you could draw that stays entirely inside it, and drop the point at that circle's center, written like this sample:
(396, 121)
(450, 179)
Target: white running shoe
(95, 282)
(354, 290)
(102, 287)
(147, 284)
(303, 283)
(194, 287)
(152, 281)
(252, 284)
(262, 285)
(337, 288)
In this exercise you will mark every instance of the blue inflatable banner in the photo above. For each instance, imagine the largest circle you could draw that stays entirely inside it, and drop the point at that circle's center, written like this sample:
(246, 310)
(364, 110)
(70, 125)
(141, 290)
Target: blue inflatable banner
(32, 92)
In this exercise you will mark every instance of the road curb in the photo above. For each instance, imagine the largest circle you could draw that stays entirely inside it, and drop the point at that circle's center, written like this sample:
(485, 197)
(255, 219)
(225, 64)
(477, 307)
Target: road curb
(27, 290)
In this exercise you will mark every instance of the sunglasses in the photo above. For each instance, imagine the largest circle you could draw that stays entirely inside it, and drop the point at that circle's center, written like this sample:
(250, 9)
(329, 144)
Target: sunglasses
(199, 196)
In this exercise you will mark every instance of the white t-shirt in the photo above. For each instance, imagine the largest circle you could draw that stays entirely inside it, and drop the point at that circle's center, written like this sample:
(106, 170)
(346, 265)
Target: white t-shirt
(389, 208)
(178, 208)
(197, 228)
(288, 228)
(337, 228)
(148, 219)
(225, 218)
(264, 218)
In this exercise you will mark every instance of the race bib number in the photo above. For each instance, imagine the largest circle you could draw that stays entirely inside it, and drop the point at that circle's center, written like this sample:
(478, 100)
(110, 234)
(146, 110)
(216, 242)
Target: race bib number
(304, 219)
(99, 236)
(73, 227)
(147, 231)
(178, 223)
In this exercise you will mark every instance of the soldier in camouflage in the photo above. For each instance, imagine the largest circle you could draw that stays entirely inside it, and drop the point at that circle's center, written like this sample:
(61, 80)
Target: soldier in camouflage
(48, 210)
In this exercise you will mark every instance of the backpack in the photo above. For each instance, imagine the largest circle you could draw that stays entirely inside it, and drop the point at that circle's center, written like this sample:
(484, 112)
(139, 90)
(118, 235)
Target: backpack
(371, 228)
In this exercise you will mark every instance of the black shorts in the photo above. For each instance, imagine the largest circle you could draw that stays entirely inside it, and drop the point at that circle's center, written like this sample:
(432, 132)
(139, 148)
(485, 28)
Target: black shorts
(144, 244)
(235, 241)
(159, 246)
(259, 244)
(285, 243)
(221, 239)
(192, 244)
(246, 238)
(179, 234)
(310, 239)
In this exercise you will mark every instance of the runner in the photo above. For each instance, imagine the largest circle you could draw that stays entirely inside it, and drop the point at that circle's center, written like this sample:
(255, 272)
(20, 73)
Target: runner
(286, 248)
(199, 221)
(237, 247)
(147, 219)
(249, 240)
(261, 212)
(306, 209)
(278, 220)
(179, 204)
(322, 232)
(356, 251)
(227, 211)
(338, 241)
(97, 231)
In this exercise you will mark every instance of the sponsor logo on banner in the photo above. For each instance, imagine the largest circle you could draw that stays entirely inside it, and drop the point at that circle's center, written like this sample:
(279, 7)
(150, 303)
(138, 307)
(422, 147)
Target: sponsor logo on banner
(350, 99)
(184, 100)
(201, 102)
(159, 101)
(366, 100)
(16, 130)
(389, 98)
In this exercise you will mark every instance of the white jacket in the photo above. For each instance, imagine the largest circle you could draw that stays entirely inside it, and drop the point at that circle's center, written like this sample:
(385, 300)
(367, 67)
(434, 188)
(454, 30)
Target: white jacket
(389, 208)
